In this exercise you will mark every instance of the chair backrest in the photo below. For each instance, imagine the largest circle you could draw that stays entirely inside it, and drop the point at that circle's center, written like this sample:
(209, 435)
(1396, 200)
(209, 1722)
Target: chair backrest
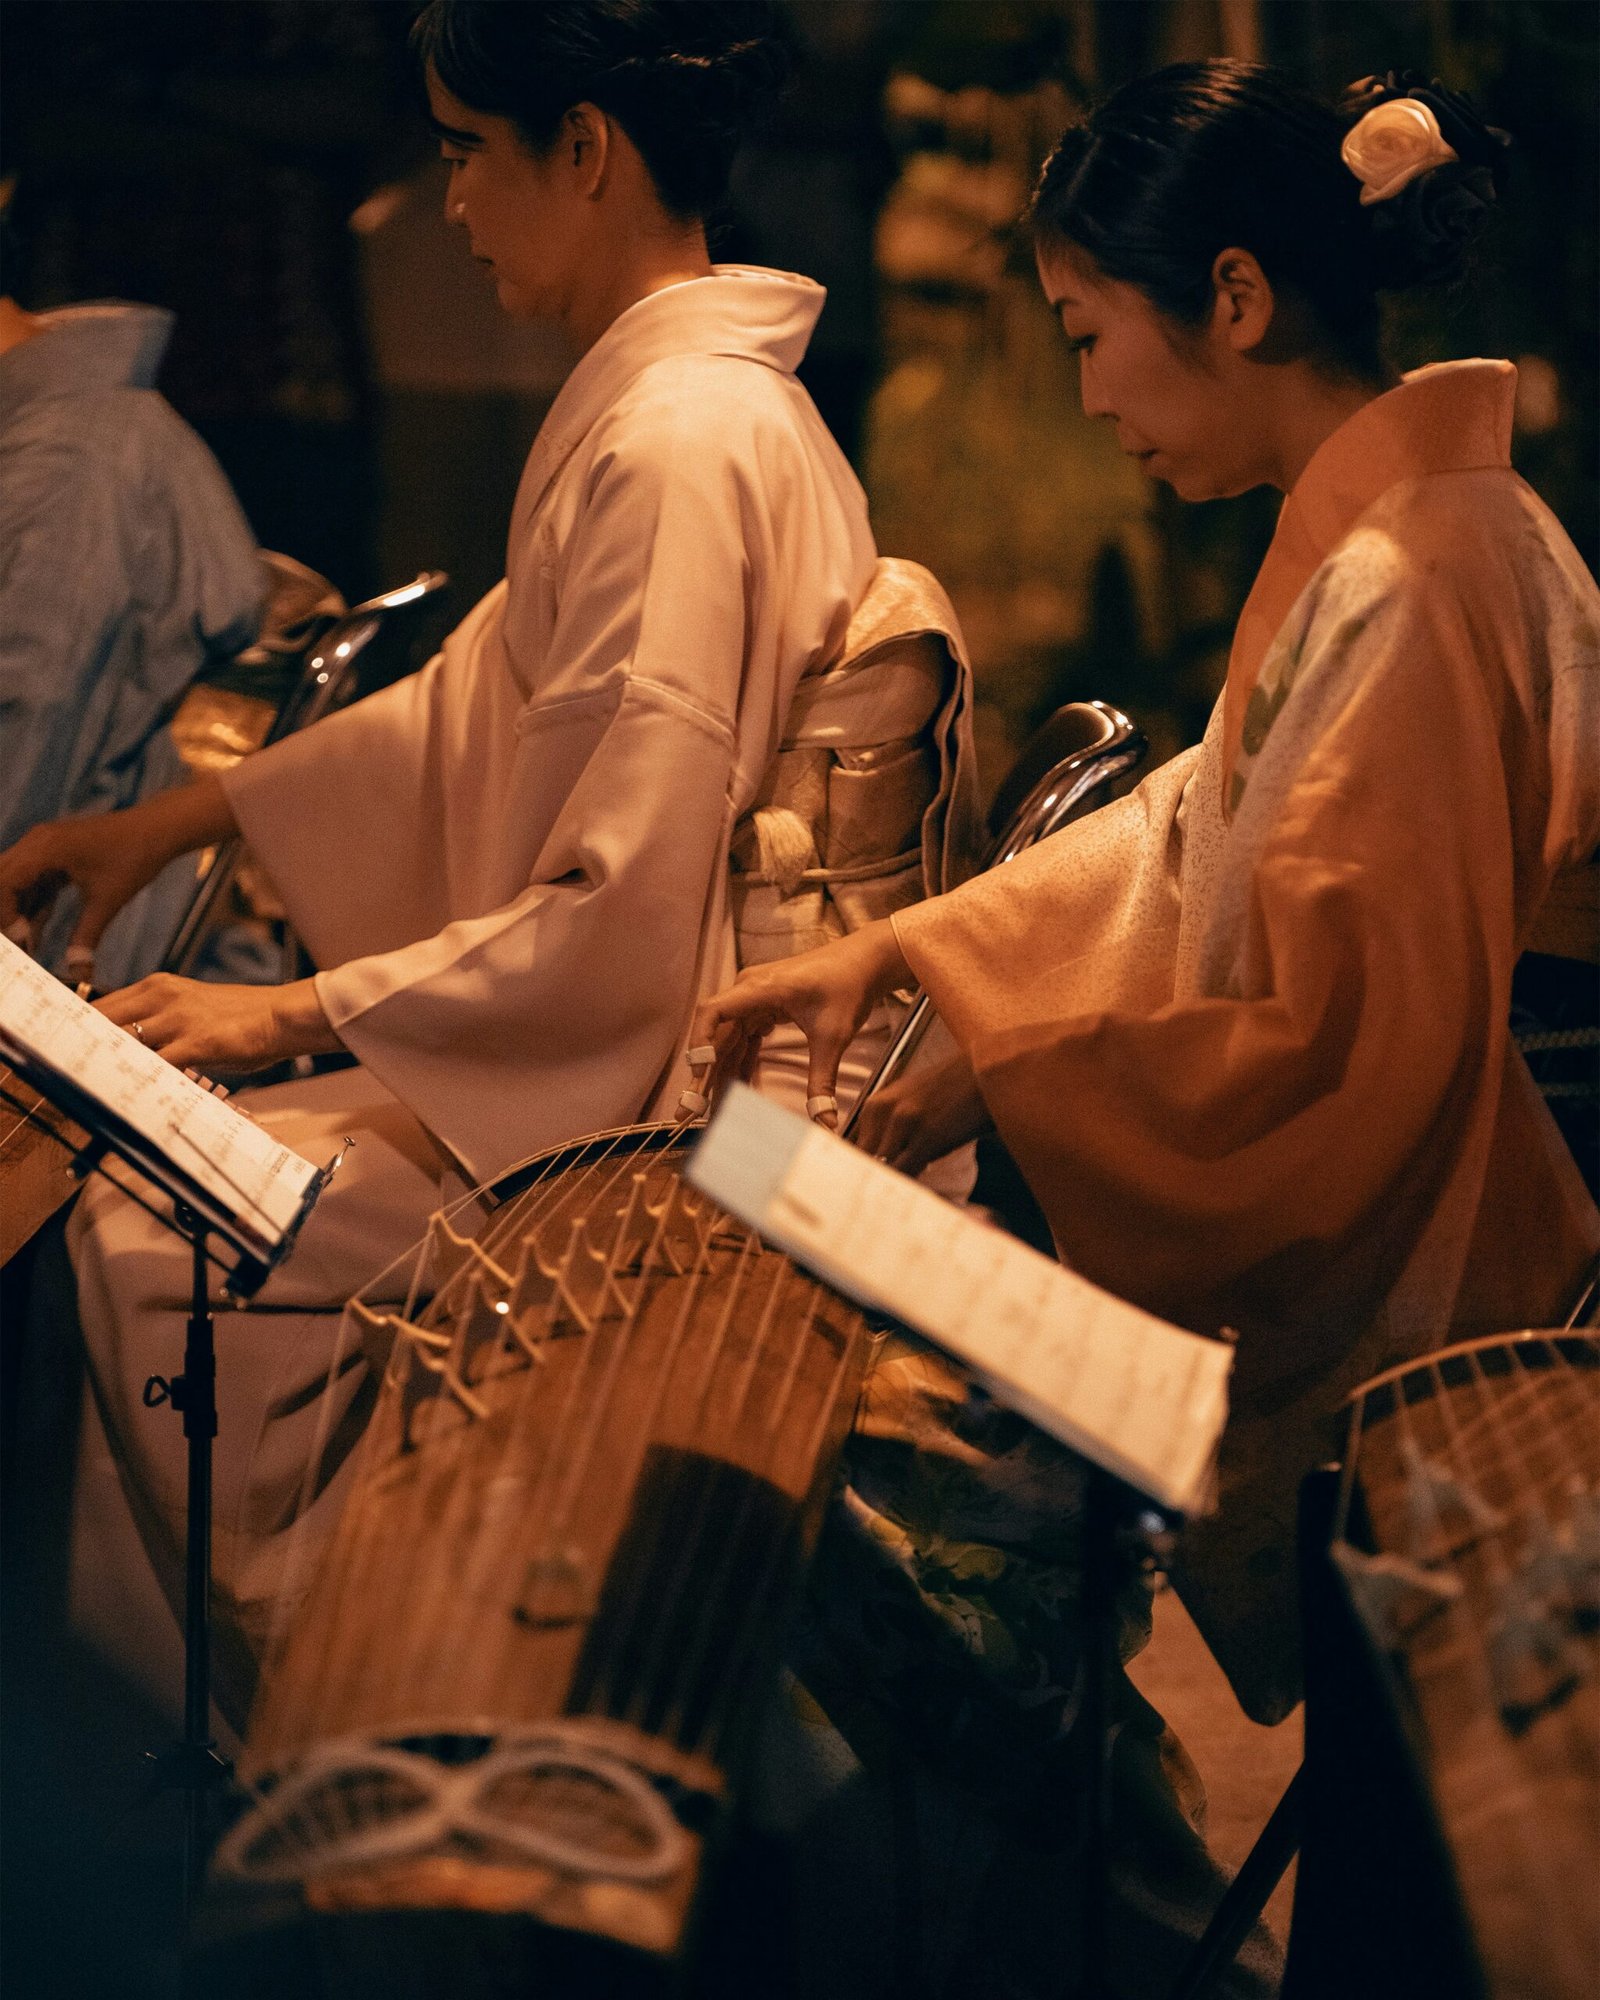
(1065, 771)
(229, 710)
(328, 679)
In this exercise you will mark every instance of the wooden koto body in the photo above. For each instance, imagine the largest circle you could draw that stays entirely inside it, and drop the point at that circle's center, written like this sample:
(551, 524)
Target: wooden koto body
(37, 1148)
(521, 1679)
(1469, 1543)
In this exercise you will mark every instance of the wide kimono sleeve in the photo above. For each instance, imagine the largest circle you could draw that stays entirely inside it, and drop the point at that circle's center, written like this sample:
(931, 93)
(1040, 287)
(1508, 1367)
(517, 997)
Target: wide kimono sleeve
(1265, 1148)
(600, 836)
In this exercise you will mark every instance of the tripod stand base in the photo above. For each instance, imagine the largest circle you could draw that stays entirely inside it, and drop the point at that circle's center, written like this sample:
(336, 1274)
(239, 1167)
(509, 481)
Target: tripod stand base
(187, 1767)
(198, 1770)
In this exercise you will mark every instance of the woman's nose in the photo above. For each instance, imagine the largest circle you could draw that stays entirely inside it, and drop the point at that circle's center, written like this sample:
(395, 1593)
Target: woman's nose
(1095, 401)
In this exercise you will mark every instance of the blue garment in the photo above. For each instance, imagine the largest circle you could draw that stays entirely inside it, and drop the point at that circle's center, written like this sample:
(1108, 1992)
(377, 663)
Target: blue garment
(126, 567)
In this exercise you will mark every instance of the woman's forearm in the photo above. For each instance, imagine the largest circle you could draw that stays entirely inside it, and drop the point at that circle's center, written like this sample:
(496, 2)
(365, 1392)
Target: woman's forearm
(183, 818)
(303, 1026)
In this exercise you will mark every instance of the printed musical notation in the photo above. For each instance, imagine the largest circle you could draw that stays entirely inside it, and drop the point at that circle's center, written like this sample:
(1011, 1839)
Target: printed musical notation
(248, 1172)
(1144, 1400)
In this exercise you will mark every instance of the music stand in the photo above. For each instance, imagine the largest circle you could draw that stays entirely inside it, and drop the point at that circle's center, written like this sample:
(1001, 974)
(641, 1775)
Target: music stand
(1119, 1523)
(192, 1764)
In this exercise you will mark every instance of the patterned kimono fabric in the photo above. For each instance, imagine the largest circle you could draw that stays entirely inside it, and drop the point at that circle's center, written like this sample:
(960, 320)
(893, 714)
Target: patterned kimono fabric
(1246, 1033)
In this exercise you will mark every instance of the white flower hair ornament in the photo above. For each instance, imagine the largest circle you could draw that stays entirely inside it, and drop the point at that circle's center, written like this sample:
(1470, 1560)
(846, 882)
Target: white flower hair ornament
(1392, 145)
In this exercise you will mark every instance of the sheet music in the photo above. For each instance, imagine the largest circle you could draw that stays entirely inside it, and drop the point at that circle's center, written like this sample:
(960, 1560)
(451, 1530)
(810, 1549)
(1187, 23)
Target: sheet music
(247, 1171)
(1145, 1400)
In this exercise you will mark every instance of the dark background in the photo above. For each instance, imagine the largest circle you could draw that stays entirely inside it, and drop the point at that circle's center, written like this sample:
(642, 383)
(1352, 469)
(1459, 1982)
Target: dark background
(260, 167)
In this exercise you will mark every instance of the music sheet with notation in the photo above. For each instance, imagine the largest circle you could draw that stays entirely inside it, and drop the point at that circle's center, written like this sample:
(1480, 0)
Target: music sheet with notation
(1145, 1400)
(242, 1167)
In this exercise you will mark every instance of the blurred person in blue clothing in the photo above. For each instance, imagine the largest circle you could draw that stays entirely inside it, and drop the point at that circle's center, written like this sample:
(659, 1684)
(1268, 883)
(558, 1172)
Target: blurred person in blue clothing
(126, 568)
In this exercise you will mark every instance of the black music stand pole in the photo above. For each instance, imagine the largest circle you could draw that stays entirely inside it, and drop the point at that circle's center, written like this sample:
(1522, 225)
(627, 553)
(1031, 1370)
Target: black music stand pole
(193, 1765)
(1119, 1525)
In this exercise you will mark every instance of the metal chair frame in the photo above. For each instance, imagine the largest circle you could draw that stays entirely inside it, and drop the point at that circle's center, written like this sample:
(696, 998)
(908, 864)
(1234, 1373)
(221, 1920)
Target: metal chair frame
(326, 682)
(1069, 786)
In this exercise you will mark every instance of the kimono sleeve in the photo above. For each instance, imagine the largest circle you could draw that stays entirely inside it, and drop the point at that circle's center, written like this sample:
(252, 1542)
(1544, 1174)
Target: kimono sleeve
(1283, 1133)
(557, 1010)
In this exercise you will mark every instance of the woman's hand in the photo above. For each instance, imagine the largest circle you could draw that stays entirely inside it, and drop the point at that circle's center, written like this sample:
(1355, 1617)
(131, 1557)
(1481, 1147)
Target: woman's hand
(912, 1123)
(108, 858)
(827, 993)
(199, 1026)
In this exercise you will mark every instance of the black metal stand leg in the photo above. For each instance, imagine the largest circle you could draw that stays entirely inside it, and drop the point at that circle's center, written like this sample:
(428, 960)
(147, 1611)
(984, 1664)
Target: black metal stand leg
(1115, 1523)
(1246, 1896)
(192, 1764)
(1121, 1531)
(1098, 1585)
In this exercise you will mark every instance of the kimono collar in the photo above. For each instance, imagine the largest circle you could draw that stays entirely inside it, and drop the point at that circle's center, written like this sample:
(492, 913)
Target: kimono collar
(740, 310)
(83, 348)
(1454, 416)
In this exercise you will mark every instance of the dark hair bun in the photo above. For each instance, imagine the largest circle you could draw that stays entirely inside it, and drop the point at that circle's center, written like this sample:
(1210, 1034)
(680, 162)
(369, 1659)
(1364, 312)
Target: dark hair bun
(712, 67)
(1424, 233)
(684, 78)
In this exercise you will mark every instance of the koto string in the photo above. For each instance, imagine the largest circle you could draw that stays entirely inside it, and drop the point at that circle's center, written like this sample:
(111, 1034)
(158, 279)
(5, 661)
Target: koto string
(732, 1543)
(452, 1532)
(1481, 1545)
(1500, 1422)
(693, 1539)
(564, 1507)
(299, 1553)
(756, 1601)
(1517, 1828)
(29, 1114)
(663, 1370)
(355, 1552)
(637, 1604)
(404, 1362)
(520, 1437)
(747, 1632)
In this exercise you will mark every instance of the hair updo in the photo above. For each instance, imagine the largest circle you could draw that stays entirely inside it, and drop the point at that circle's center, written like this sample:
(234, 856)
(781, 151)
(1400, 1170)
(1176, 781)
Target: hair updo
(1201, 156)
(683, 78)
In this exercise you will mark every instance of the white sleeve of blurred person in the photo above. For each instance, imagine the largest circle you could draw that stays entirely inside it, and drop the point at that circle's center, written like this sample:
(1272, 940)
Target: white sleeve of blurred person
(126, 567)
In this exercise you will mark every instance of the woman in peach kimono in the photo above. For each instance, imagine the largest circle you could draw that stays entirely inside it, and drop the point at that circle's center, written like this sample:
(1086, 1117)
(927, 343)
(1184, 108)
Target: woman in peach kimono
(1246, 1031)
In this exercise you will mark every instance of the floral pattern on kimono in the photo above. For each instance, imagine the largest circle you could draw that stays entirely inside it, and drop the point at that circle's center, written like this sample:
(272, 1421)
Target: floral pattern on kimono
(943, 1613)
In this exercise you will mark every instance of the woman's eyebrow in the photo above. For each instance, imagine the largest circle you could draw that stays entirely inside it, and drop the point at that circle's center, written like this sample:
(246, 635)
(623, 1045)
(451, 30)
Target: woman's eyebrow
(451, 134)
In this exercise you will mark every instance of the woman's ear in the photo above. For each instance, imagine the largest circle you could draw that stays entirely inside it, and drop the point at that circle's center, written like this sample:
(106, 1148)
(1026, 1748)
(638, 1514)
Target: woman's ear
(1243, 302)
(585, 143)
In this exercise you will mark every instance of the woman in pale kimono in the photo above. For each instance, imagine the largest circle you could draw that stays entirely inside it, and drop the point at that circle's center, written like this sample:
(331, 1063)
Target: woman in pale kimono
(513, 868)
(1245, 1031)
